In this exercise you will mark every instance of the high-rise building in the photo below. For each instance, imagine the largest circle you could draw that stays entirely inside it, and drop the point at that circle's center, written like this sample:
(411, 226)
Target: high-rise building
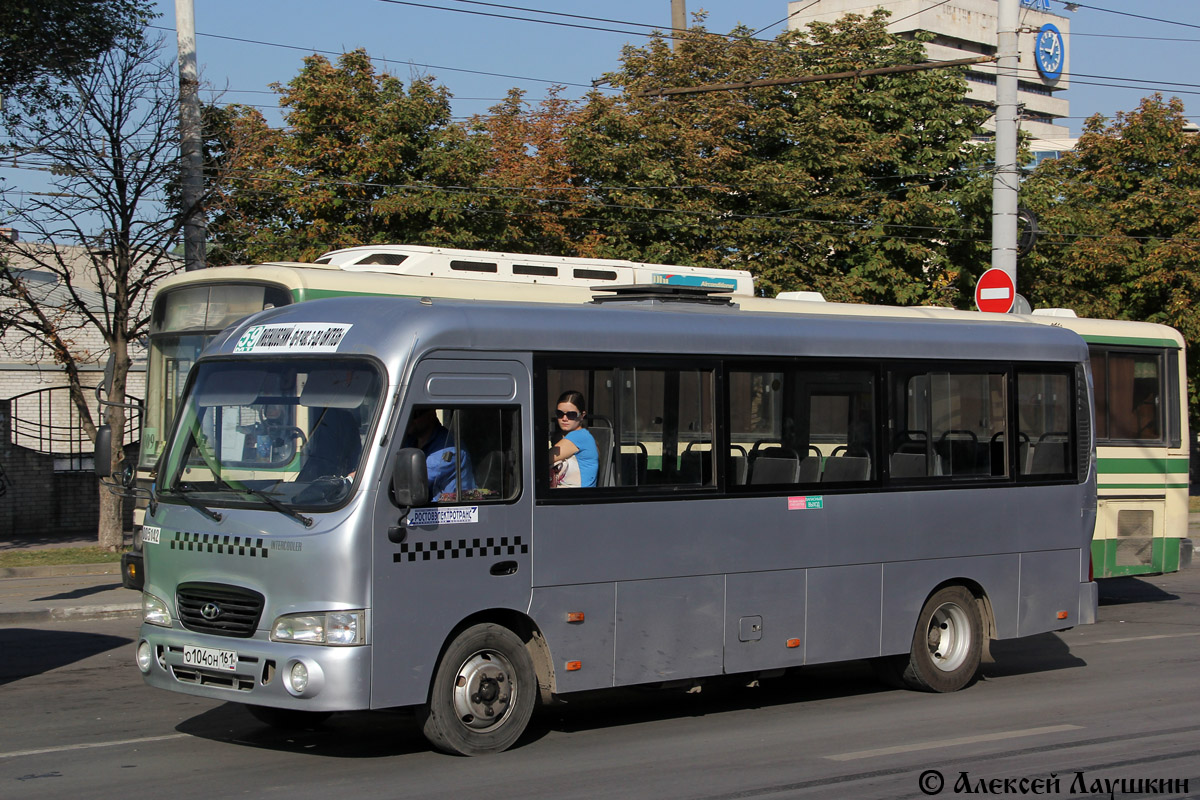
(966, 28)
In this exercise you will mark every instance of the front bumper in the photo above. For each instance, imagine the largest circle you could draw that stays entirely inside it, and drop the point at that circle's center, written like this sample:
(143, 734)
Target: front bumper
(338, 677)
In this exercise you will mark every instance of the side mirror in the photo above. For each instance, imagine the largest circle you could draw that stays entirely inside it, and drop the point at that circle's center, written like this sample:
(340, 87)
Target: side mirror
(410, 478)
(104, 451)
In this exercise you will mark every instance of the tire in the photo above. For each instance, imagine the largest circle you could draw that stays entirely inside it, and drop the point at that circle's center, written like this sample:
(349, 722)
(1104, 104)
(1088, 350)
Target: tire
(288, 719)
(946, 646)
(483, 693)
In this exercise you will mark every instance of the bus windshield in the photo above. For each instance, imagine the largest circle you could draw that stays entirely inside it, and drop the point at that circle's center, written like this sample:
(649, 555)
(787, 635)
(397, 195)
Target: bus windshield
(286, 432)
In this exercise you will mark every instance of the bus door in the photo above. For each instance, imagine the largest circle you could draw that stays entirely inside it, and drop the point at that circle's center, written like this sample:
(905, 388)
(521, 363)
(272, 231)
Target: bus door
(468, 549)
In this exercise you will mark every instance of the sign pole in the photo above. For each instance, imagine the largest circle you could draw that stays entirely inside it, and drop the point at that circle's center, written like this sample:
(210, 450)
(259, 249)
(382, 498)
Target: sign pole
(1006, 178)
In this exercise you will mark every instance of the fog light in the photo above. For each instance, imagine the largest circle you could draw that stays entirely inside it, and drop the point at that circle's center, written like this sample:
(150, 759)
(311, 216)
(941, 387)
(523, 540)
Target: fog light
(145, 656)
(298, 677)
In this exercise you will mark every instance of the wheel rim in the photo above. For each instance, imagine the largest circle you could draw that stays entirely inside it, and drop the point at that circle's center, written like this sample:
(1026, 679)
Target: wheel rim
(484, 690)
(949, 637)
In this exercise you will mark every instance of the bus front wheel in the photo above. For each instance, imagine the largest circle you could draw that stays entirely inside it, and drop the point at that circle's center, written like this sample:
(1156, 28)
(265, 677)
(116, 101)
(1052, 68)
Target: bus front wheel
(946, 647)
(483, 694)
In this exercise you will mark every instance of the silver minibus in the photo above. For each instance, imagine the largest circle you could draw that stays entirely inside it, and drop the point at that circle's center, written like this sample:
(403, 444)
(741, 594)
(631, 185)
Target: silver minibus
(358, 508)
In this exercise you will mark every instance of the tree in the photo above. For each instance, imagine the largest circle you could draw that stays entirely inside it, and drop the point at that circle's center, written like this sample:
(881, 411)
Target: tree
(362, 160)
(531, 198)
(1120, 224)
(846, 186)
(44, 44)
(114, 149)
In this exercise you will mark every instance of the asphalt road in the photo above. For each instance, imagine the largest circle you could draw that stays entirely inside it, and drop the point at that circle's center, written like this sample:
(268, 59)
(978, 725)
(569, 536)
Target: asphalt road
(1070, 714)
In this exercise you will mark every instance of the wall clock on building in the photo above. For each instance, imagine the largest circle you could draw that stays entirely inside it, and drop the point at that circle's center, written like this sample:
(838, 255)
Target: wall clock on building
(1048, 50)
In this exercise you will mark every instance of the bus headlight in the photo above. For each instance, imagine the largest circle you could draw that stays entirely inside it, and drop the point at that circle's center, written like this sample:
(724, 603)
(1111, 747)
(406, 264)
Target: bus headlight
(155, 611)
(338, 628)
(145, 656)
(303, 677)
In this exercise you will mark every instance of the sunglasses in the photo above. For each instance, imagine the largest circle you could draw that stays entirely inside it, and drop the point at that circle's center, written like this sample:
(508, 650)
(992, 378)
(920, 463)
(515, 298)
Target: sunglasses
(571, 415)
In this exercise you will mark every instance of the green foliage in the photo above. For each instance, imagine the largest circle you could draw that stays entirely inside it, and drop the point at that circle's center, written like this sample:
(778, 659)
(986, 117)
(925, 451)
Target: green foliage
(1120, 222)
(46, 42)
(847, 186)
(363, 159)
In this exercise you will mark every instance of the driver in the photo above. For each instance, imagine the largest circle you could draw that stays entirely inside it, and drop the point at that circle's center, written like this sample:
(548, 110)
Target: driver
(333, 446)
(447, 474)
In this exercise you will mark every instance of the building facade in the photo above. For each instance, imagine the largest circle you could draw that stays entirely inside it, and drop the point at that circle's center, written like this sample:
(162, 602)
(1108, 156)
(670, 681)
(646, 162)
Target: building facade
(967, 28)
(47, 485)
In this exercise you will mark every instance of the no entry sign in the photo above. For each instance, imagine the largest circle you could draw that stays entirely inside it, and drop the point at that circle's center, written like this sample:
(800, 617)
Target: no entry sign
(995, 291)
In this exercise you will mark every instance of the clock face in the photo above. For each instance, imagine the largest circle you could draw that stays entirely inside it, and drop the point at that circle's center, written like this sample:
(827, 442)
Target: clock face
(1049, 50)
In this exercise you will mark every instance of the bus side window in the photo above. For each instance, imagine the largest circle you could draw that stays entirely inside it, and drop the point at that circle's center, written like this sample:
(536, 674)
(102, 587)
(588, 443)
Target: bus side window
(472, 452)
(652, 427)
(1044, 415)
(948, 424)
(1128, 396)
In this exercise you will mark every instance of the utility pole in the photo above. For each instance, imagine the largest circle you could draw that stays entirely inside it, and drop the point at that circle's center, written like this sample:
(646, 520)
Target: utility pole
(190, 146)
(1006, 179)
(678, 21)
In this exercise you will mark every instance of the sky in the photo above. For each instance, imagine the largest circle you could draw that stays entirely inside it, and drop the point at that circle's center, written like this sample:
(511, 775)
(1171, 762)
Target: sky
(1117, 53)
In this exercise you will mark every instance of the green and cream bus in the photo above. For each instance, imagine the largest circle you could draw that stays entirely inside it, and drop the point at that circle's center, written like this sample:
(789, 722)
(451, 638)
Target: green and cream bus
(1139, 367)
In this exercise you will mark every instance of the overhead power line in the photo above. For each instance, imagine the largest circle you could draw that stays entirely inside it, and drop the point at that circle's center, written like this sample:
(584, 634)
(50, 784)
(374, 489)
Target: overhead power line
(667, 31)
(833, 76)
(336, 53)
(1075, 5)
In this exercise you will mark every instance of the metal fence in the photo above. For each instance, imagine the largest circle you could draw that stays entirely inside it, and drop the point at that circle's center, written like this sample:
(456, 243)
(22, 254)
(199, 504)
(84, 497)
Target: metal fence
(47, 421)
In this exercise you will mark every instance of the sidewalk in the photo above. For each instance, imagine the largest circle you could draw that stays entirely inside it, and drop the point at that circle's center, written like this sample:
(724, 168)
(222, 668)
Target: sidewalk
(63, 591)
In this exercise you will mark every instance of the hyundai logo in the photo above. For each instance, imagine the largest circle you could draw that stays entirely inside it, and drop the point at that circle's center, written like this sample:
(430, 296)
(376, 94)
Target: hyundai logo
(210, 611)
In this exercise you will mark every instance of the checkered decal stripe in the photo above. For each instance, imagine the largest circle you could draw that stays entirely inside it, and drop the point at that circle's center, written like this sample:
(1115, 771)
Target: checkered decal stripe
(216, 543)
(460, 548)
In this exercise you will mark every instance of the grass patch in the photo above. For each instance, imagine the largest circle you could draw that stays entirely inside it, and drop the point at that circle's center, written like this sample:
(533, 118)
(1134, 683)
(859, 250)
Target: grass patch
(1193, 504)
(52, 556)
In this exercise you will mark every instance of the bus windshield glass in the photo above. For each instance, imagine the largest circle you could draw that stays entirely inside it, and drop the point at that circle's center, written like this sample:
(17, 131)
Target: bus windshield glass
(268, 433)
(184, 321)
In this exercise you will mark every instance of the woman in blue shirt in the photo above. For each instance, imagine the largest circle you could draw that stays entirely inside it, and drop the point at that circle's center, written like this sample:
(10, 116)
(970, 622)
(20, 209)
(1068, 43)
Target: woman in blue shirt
(574, 460)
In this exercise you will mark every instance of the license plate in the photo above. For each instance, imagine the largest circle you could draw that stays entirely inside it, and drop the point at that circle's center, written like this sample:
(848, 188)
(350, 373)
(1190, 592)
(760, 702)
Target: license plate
(208, 658)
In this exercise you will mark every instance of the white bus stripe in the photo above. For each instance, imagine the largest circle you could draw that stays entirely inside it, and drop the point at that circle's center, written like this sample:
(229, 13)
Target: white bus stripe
(90, 745)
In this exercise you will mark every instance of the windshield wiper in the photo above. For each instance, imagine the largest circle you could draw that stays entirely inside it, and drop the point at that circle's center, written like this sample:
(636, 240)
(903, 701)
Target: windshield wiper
(278, 506)
(181, 491)
(266, 498)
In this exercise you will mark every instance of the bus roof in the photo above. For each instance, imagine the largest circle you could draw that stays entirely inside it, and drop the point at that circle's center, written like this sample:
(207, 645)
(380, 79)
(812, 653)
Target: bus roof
(387, 327)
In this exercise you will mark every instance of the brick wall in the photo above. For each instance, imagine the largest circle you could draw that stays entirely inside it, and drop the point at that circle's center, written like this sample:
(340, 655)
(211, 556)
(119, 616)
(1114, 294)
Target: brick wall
(37, 502)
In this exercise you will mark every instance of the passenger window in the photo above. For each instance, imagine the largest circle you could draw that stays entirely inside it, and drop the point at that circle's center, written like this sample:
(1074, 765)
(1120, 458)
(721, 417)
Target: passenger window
(1128, 391)
(946, 424)
(650, 427)
(472, 453)
(1044, 438)
(800, 426)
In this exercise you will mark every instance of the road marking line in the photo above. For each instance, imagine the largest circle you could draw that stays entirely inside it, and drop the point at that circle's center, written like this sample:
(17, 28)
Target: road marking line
(90, 745)
(983, 737)
(1137, 638)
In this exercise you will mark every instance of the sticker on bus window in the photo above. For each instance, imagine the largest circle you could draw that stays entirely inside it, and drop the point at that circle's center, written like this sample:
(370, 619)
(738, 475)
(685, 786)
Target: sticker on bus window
(293, 337)
(459, 515)
(804, 503)
(150, 534)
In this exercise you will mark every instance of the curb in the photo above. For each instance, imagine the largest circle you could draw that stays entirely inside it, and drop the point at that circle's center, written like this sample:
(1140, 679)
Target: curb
(114, 611)
(60, 570)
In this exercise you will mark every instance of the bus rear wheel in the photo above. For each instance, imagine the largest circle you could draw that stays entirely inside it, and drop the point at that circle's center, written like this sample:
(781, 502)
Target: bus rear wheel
(483, 693)
(946, 647)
